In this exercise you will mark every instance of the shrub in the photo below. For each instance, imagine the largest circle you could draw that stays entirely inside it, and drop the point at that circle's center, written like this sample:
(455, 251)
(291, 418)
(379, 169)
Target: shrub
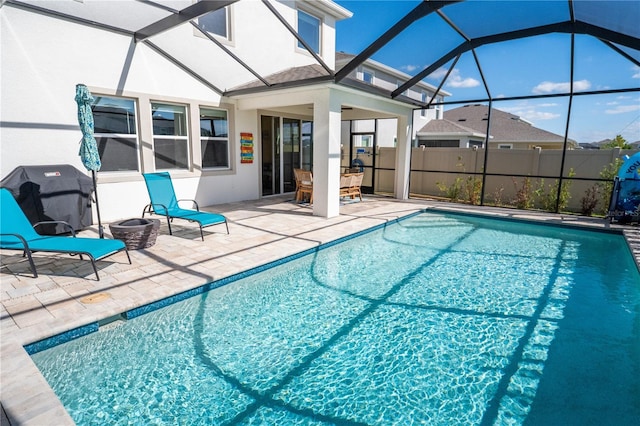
(524, 195)
(497, 196)
(452, 191)
(608, 172)
(548, 196)
(590, 200)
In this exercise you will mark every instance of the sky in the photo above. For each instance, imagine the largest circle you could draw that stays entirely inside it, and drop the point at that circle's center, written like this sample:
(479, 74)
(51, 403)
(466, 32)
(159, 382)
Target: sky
(532, 66)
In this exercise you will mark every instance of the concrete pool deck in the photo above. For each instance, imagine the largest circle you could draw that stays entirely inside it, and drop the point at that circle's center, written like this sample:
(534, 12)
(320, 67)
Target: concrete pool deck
(66, 294)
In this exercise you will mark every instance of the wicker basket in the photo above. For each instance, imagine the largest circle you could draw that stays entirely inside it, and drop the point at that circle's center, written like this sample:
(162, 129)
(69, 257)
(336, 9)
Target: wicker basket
(136, 233)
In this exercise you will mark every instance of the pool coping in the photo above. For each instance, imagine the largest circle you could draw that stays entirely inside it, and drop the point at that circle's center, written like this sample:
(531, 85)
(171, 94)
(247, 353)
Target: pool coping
(35, 403)
(93, 327)
(83, 330)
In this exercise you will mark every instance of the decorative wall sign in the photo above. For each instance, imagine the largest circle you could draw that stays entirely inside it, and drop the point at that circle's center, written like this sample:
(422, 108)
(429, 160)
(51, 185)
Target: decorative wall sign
(246, 148)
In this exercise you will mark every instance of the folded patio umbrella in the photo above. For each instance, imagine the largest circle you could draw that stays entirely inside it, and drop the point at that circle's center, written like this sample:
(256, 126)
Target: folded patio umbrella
(88, 146)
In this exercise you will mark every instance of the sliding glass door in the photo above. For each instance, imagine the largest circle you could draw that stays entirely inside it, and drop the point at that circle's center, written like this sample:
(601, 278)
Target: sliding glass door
(286, 144)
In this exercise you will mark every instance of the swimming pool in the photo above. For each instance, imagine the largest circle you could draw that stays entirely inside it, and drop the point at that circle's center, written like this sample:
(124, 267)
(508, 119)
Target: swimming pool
(438, 319)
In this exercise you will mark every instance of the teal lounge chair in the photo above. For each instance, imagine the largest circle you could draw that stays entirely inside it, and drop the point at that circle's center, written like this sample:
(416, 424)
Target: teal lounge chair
(164, 203)
(16, 233)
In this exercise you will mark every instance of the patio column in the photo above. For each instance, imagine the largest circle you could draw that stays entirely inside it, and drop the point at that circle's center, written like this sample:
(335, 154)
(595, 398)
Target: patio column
(403, 156)
(326, 154)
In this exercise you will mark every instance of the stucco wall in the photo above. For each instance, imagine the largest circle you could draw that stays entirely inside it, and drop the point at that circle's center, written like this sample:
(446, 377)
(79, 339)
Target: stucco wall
(43, 58)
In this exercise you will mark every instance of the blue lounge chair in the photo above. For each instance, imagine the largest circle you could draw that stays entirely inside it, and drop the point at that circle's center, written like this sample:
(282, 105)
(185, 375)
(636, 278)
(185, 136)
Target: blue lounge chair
(16, 233)
(164, 202)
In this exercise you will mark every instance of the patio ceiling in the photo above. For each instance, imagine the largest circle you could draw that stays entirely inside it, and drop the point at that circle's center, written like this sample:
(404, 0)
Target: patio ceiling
(458, 26)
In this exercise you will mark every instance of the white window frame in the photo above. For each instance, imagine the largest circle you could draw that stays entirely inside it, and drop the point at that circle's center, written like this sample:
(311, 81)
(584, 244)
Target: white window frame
(299, 45)
(371, 72)
(186, 137)
(229, 27)
(134, 136)
(424, 96)
(216, 138)
(505, 146)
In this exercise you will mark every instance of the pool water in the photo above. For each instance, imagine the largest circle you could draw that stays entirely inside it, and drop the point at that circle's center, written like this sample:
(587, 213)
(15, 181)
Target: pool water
(437, 319)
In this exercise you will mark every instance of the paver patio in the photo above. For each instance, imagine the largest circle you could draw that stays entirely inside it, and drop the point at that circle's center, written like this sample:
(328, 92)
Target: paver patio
(67, 295)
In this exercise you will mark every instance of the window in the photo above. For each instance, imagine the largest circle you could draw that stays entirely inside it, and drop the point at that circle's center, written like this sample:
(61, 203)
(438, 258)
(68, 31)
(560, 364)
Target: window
(444, 143)
(116, 133)
(216, 22)
(367, 75)
(309, 30)
(170, 138)
(307, 145)
(439, 113)
(505, 146)
(424, 98)
(214, 138)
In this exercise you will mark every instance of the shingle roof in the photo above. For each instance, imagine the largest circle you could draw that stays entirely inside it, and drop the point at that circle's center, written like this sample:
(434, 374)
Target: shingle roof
(286, 76)
(505, 127)
(446, 126)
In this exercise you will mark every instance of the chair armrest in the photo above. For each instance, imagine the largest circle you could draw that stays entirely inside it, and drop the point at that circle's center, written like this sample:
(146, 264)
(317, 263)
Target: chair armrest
(193, 201)
(161, 205)
(18, 236)
(46, 222)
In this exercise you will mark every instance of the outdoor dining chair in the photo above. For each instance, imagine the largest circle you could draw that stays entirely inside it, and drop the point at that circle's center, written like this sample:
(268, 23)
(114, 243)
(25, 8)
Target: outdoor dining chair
(17, 233)
(165, 203)
(304, 185)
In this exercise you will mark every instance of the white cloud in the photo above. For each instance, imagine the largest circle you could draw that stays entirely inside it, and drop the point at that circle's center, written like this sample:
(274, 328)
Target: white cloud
(533, 115)
(462, 83)
(636, 70)
(550, 87)
(438, 74)
(540, 115)
(532, 112)
(409, 68)
(455, 80)
(621, 109)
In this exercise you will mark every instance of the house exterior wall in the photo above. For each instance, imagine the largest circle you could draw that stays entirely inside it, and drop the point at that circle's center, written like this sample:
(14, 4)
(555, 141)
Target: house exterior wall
(384, 78)
(43, 58)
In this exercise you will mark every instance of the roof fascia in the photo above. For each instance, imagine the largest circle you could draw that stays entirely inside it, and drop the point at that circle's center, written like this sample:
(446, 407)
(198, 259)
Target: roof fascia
(187, 14)
(278, 86)
(327, 81)
(331, 8)
(423, 9)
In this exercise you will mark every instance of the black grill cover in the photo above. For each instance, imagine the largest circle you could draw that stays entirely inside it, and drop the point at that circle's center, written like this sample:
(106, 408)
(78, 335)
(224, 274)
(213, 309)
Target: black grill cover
(57, 192)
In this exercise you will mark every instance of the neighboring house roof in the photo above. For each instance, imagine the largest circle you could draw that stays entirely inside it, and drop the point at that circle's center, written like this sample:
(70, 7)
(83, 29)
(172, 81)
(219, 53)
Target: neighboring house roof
(446, 127)
(599, 144)
(505, 127)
